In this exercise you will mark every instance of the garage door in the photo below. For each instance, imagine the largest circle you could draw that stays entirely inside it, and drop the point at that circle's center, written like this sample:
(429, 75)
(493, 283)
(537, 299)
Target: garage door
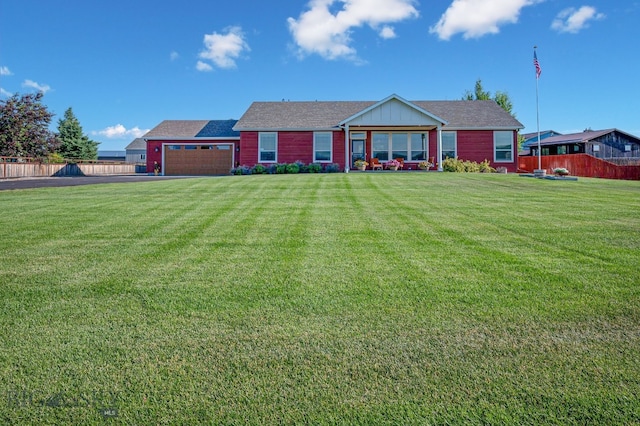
(198, 159)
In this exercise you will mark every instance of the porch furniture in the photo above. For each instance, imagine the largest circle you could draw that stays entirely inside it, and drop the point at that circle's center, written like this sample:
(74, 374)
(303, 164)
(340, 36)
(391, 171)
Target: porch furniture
(401, 161)
(375, 164)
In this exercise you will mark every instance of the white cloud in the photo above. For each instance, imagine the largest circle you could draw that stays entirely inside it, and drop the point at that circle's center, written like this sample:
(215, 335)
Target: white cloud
(203, 66)
(320, 31)
(387, 32)
(5, 71)
(119, 132)
(44, 88)
(5, 93)
(572, 20)
(174, 55)
(476, 18)
(223, 49)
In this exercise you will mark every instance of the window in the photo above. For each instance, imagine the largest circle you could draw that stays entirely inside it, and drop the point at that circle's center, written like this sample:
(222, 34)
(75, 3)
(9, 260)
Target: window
(322, 147)
(399, 142)
(419, 144)
(191, 147)
(503, 146)
(449, 145)
(267, 147)
(408, 146)
(174, 147)
(380, 146)
(223, 147)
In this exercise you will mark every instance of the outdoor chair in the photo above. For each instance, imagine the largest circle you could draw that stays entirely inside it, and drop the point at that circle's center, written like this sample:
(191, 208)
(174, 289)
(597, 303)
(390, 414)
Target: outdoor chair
(401, 161)
(375, 164)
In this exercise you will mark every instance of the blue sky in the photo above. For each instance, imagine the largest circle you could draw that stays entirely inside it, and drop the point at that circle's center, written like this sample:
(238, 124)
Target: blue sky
(124, 66)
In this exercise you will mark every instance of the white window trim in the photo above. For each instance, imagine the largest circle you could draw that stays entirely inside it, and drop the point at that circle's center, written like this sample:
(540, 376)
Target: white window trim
(330, 160)
(455, 143)
(495, 159)
(409, 150)
(275, 160)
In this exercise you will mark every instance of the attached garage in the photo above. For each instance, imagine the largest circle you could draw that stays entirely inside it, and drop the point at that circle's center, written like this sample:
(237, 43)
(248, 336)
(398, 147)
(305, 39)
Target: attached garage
(193, 159)
(192, 147)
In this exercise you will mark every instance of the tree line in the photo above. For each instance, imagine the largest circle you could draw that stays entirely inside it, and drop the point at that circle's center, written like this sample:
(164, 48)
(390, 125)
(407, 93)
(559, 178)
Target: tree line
(24, 131)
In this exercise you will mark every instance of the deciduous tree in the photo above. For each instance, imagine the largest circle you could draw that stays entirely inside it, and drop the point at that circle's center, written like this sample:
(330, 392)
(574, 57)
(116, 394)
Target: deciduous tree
(24, 127)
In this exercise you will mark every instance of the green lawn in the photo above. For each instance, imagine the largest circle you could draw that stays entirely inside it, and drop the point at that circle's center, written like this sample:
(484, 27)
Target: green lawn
(389, 298)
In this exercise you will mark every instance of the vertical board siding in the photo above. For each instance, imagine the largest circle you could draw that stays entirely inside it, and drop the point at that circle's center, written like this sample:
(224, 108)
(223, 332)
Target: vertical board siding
(23, 170)
(581, 165)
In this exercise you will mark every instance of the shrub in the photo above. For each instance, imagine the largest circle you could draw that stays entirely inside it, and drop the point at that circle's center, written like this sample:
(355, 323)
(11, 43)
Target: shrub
(485, 167)
(241, 170)
(458, 166)
(453, 165)
(292, 168)
(281, 169)
(332, 168)
(314, 168)
(471, 167)
(258, 169)
(302, 168)
(271, 169)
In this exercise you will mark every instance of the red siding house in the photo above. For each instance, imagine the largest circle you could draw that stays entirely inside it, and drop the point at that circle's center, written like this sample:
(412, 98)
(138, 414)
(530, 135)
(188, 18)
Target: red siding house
(344, 131)
(339, 132)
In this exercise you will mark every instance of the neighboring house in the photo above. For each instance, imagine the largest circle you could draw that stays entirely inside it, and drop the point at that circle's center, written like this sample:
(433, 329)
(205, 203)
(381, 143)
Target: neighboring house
(111, 155)
(608, 144)
(343, 131)
(531, 139)
(192, 147)
(136, 151)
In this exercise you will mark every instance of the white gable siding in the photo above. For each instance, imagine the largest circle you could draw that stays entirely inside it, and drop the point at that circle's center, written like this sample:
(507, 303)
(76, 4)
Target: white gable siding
(392, 113)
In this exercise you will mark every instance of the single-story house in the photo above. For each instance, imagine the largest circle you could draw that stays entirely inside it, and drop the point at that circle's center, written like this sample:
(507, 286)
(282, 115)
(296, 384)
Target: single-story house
(605, 144)
(342, 132)
(192, 147)
(531, 139)
(136, 151)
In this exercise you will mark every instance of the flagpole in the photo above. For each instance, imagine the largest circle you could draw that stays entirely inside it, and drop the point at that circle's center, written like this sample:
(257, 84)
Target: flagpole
(537, 110)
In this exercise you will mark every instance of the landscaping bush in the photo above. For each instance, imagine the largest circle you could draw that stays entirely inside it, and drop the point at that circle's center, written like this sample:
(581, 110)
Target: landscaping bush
(458, 166)
(332, 168)
(314, 168)
(292, 168)
(453, 165)
(281, 169)
(258, 169)
(302, 168)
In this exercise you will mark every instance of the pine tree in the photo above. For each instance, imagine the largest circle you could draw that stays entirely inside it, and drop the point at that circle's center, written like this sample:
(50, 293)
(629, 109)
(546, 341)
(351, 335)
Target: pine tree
(74, 144)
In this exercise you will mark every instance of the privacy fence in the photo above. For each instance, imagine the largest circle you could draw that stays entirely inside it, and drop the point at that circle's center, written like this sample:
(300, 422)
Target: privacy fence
(582, 165)
(18, 167)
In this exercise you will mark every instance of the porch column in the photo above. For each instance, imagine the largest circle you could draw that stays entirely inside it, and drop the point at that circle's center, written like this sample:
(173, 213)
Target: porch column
(439, 148)
(346, 149)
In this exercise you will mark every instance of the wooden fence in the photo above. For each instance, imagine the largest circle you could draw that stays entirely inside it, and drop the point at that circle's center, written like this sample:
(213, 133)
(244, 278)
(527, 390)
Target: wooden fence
(580, 165)
(11, 167)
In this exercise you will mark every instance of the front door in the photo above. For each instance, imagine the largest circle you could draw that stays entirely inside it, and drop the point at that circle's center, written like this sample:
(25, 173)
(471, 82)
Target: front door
(357, 151)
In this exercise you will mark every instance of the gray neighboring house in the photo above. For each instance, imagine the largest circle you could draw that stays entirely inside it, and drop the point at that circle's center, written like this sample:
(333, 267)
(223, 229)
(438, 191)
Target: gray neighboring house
(136, 151)
(607, 144)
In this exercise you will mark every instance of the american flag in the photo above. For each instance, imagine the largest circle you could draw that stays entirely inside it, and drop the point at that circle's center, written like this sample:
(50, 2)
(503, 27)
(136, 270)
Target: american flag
(536, 64)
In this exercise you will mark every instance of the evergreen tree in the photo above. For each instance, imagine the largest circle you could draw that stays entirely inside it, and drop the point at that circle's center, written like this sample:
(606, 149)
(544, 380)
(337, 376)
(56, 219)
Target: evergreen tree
(24, 127)
(74, 144)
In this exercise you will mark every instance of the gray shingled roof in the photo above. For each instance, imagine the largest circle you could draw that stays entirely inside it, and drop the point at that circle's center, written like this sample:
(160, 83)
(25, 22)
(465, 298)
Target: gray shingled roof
(176, 129)
(137, 143)
(327, 114)
(189, 129)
